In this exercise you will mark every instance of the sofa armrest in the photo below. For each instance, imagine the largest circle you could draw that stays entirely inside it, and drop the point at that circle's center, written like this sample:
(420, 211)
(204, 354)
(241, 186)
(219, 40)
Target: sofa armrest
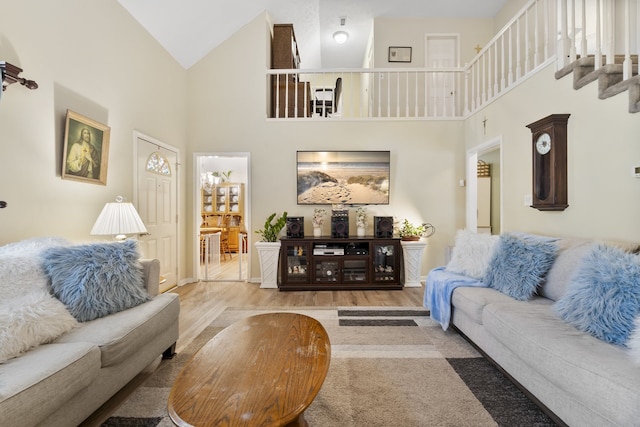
(151, 269)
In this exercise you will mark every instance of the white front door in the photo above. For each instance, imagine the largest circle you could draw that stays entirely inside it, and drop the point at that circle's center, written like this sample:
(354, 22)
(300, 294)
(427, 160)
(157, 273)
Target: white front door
(157, 177)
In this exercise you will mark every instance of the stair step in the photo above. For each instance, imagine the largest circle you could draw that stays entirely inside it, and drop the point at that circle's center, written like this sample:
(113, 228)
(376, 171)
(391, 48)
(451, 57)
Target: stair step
(610, 81)
(634, 94)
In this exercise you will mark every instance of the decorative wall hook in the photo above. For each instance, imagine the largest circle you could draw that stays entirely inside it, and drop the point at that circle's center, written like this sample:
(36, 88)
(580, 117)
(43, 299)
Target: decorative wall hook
(10, 74)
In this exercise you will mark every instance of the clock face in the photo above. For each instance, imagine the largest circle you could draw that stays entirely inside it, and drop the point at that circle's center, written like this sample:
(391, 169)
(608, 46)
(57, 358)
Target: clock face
(543, 144)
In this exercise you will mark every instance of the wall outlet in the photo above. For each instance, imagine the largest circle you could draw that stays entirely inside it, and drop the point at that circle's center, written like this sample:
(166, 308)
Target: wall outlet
(528, 199)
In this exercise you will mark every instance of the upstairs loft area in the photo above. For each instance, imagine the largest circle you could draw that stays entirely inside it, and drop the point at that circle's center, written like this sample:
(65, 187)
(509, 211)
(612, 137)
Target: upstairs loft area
(602, 34)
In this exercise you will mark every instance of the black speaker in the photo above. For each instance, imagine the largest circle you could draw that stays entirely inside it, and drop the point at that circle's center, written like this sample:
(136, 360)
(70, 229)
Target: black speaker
(340, 226)
(295, 227)
(383, 226)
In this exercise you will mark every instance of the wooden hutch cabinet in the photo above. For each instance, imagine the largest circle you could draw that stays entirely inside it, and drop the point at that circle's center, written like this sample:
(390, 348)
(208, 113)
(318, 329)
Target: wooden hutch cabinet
(226, 199)
(325, 263)
(286, 89)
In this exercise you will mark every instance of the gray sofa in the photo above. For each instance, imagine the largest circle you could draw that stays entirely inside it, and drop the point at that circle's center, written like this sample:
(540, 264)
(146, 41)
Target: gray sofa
(579, 379)
(65, 381)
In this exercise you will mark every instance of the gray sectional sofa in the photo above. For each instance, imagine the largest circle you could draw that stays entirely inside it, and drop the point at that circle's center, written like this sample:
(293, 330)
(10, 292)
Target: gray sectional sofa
(61, 383)
(578, 378)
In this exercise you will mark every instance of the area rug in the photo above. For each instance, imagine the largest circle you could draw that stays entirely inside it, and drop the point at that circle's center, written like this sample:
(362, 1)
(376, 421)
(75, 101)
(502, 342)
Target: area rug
(389, 367)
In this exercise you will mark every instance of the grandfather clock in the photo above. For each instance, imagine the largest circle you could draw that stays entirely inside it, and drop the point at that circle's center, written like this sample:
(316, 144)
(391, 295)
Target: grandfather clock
(549, 138)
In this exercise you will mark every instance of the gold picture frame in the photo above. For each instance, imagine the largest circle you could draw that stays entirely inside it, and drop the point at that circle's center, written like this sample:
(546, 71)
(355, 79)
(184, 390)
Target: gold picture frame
(86, 149)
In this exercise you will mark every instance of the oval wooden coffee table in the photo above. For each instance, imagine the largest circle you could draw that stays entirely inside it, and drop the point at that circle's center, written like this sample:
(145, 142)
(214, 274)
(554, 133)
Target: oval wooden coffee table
(264, 370)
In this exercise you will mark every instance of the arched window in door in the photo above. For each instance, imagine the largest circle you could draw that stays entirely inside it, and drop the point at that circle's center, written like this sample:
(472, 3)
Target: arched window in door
(158, 163)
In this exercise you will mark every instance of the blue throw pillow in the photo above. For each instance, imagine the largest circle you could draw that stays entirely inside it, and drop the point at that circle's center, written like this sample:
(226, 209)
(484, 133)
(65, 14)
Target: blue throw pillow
(603, 296)
(519, 265)
(96, 280)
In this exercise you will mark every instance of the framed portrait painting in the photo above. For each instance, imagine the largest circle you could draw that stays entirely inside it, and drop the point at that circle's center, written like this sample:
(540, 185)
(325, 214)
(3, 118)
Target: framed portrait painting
(86, 149)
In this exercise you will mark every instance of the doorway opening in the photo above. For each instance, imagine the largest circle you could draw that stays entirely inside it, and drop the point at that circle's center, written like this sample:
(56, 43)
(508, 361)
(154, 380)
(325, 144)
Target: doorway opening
(221, 216)
(484, 199)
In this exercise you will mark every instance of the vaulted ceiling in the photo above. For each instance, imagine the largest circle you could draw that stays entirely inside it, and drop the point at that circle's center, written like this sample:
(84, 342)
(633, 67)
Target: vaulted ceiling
(190, 29)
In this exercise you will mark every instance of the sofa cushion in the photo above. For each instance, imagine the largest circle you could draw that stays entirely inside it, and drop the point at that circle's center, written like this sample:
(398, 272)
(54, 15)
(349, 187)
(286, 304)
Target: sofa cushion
(122, 334)
(570, 252)
(603, 298)
(472, 253)
(30, 320)
(95, 280)
(474, 300)
(583, 367)
(519, 265)
(43, 379)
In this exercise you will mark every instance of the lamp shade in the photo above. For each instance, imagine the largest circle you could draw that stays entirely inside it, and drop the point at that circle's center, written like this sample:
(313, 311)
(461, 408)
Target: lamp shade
(117, 219)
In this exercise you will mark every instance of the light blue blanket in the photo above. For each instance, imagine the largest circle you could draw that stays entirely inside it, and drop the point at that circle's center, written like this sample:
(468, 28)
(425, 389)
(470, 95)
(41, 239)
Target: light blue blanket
(438, 292)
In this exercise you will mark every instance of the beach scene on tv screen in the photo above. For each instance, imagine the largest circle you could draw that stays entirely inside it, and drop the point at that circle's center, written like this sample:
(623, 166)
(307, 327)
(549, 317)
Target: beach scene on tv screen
(343, 177)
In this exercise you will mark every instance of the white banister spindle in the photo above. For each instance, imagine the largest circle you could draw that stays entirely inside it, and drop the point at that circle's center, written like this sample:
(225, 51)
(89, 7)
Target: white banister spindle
(466, 92)
(415, 95)
(626, 66)
(406, 94)
(547, 33)
(527, 61)
(518, 51)
(510, 55)
(379, 95)
(277, 95)
(397, 94)
(583, 39)
(563, 44)
(572, 29)
(598, 56)
(496, 88)
(426, 94)
(503, 70)
(609, 28)
(536, 35)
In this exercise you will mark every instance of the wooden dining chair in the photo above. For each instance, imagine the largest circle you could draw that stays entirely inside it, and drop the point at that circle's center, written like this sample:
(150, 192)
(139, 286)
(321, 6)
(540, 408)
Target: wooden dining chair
(224, 238)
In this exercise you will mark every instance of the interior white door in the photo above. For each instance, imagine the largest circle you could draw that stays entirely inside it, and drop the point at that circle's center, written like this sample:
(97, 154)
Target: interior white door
(441, 52)
(157, 205)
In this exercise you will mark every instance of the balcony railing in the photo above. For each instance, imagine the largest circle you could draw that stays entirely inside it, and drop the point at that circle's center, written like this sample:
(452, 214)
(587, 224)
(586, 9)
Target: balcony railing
(541, 32)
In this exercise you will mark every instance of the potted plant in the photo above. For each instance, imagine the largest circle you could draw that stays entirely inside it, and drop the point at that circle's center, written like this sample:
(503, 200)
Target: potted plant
(409, 231)
(413, 248)
(318, 219)
(269, 250)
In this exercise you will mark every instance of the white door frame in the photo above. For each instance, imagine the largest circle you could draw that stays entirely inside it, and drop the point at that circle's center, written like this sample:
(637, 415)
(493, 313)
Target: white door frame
(472, 180)
(139, 135)
(196, 208)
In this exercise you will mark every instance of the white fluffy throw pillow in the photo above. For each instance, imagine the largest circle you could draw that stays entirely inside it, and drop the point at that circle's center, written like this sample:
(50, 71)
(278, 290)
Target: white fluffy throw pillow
(472, 253)
(30, 320)
(633, 344)
(21, 266)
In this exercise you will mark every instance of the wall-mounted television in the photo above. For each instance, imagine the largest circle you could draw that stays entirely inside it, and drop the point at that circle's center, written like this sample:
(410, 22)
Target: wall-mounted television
(343, 177)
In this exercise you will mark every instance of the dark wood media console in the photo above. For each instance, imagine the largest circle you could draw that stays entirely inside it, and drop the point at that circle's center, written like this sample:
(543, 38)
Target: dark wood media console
(325, 263)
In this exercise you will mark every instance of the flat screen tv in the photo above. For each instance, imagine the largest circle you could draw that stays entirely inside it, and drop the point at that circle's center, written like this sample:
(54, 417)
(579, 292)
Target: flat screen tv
(343, 177)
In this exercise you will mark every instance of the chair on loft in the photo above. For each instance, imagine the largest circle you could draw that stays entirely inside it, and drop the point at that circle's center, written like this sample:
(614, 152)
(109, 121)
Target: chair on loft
(224, 237)
(327, 100)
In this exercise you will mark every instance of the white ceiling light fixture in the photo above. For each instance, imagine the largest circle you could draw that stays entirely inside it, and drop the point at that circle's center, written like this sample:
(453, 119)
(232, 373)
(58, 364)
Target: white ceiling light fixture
(341, 36)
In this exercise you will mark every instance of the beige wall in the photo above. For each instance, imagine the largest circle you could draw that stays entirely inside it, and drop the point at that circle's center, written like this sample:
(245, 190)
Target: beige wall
(411, 32)
(109, 68)
(93, 58)
(427, 157)
(603, 148)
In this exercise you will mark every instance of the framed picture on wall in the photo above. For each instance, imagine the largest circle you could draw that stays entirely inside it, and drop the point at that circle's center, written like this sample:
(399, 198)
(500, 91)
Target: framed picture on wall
(399, 54)
(86, 149)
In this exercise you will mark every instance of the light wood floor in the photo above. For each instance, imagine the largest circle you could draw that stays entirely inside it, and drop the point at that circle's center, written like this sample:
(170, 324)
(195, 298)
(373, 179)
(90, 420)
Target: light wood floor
(202, 302)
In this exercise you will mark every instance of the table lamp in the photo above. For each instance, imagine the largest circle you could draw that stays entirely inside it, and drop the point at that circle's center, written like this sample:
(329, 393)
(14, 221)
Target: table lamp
(118, 219)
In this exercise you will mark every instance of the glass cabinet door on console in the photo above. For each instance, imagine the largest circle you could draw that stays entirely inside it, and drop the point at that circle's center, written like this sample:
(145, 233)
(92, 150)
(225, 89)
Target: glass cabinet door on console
(385, 262)
(295, 265)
